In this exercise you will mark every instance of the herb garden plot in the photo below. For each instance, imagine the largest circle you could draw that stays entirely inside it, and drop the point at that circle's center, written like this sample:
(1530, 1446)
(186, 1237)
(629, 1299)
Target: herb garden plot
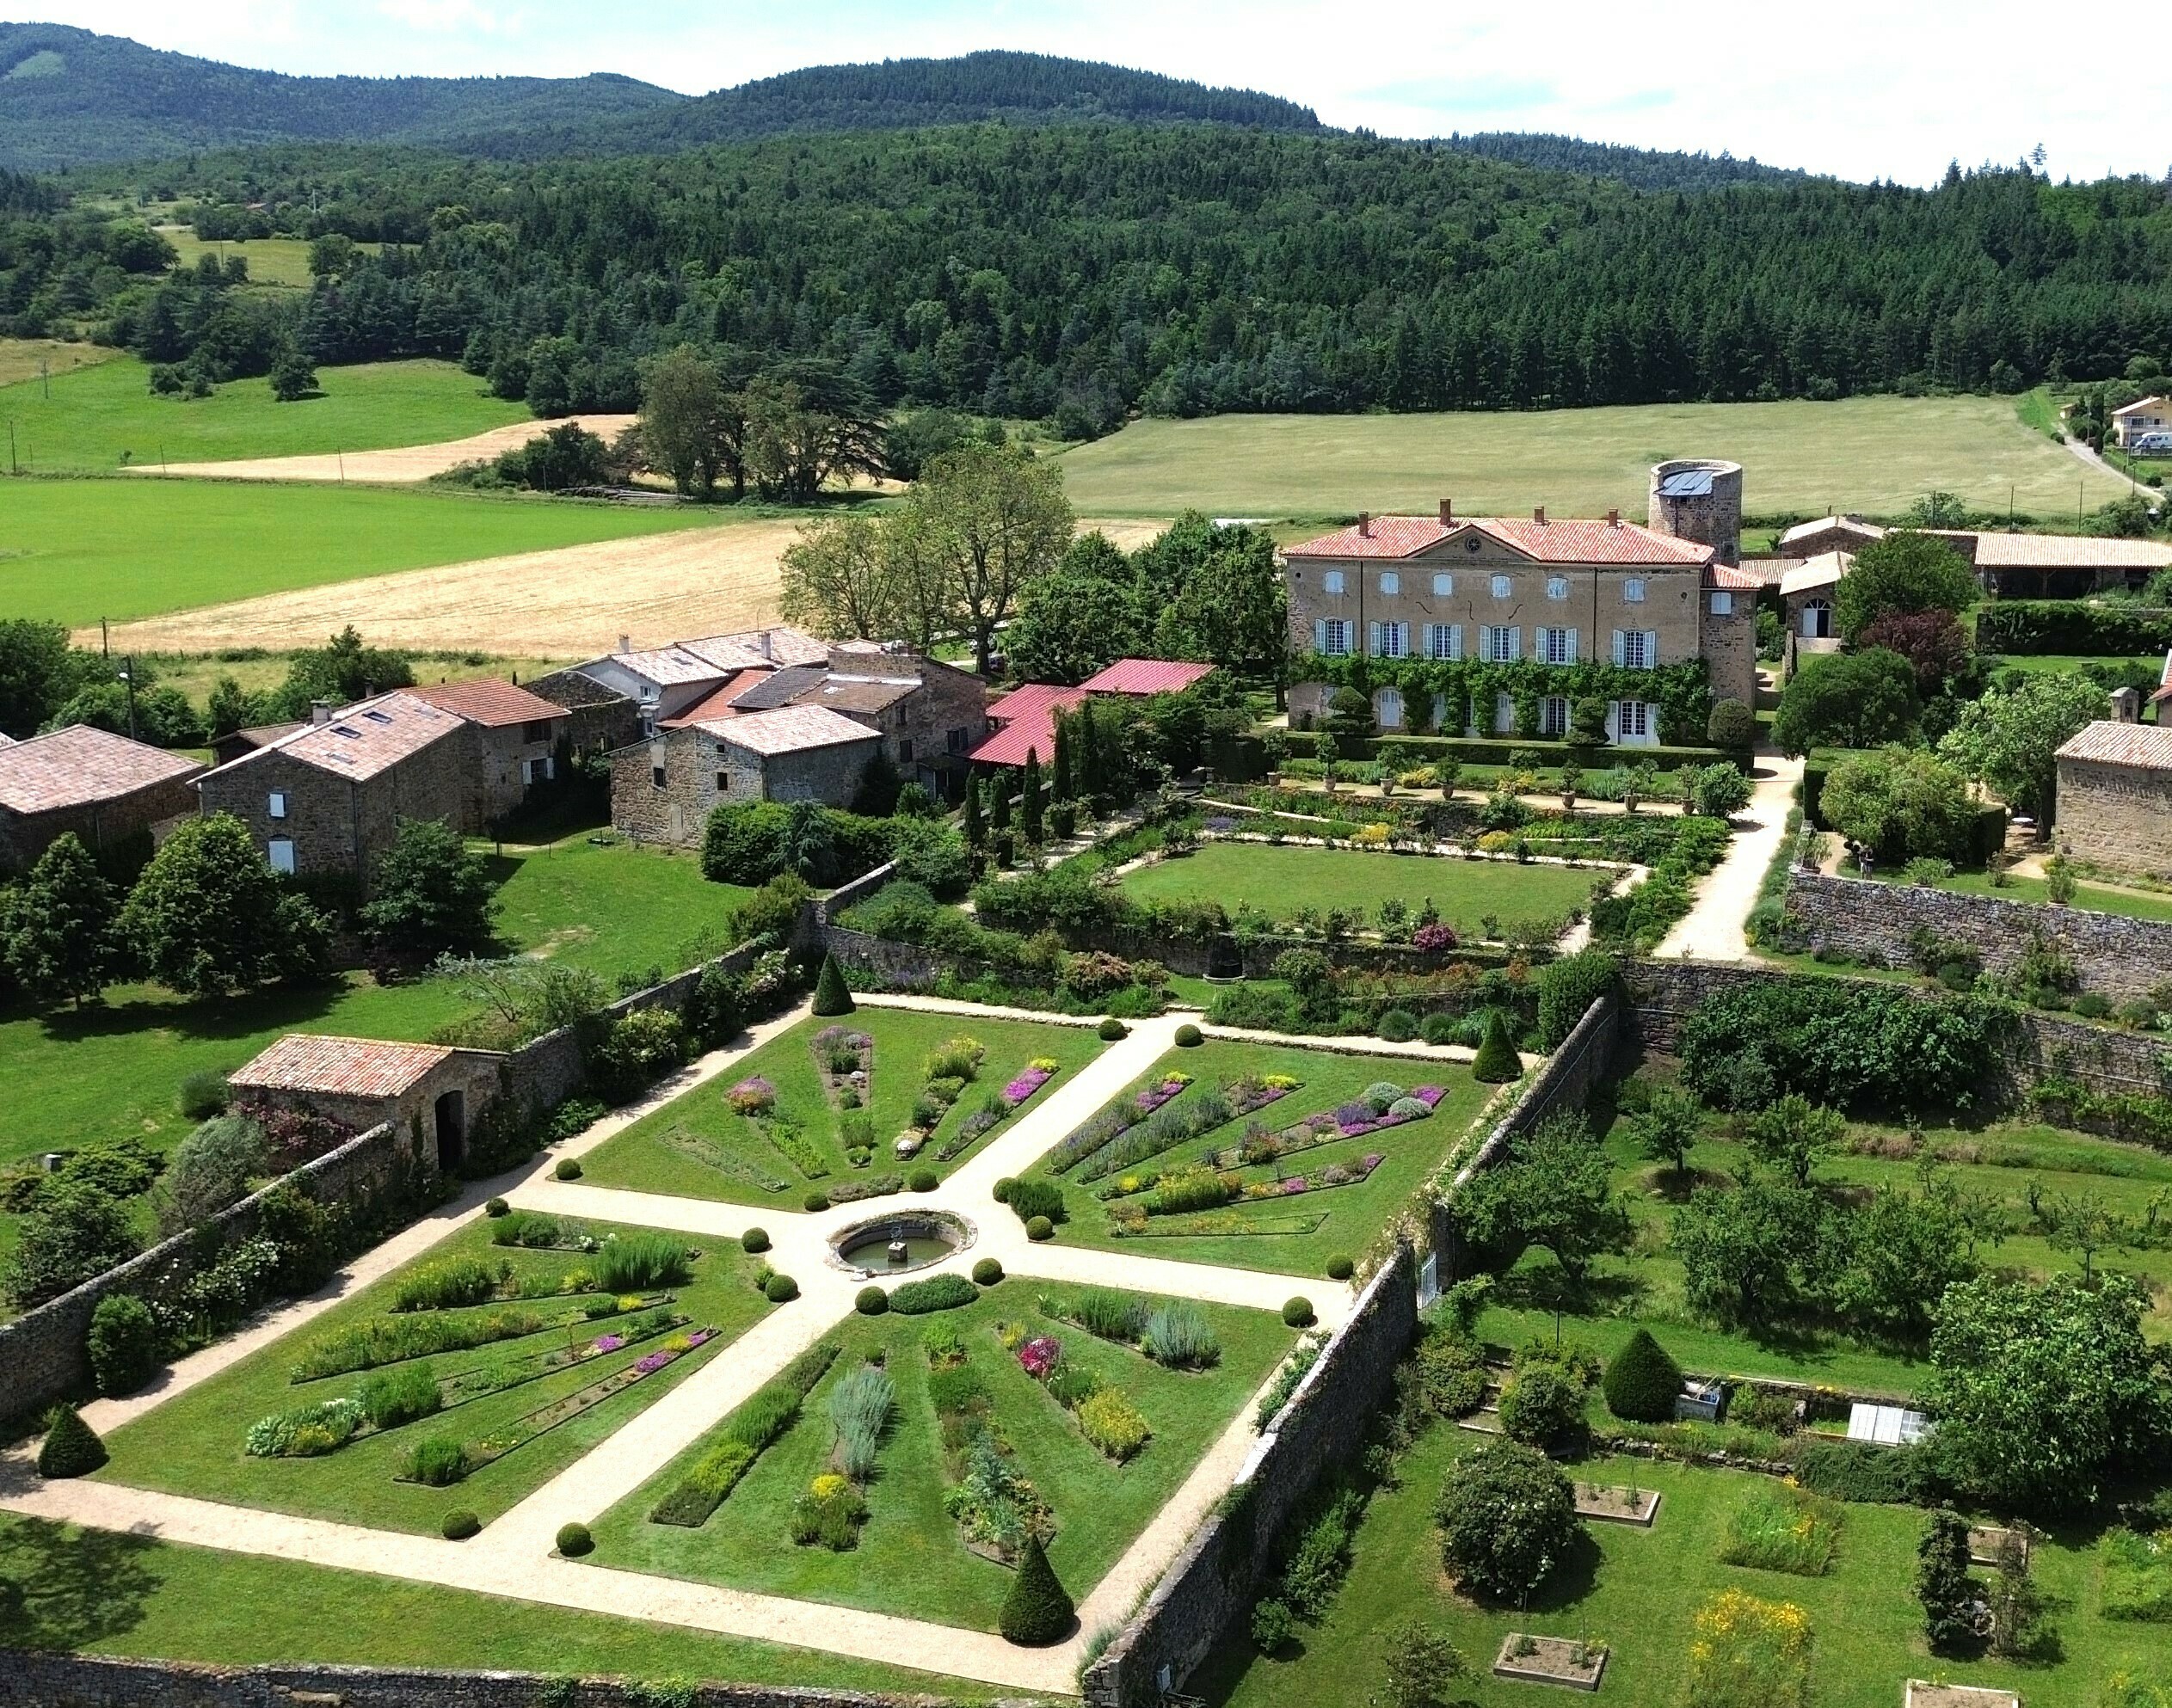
(986, 1446)
(333, 1444)
(848, 1109)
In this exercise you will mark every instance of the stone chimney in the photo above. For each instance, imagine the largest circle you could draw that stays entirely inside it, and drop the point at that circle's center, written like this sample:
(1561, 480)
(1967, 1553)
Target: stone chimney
(1538, 514)
(625, 643)
(1613, 518)
(2126, 705)
(320, 711)
(1447, 510)
(1364, 524)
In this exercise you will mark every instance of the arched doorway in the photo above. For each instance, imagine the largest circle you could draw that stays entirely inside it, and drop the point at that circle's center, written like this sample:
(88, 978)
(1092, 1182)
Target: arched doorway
(1817, 619)
(1225, 961)
(452, 1121)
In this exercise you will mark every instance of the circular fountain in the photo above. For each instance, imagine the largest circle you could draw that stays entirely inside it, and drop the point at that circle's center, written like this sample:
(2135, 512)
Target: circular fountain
(902, 1241)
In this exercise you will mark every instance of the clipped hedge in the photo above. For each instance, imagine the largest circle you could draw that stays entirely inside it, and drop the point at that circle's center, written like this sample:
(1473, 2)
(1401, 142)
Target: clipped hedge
(2038, 626)
(1479, 751)
(766, 1413)
(937, 1293)
(1642, 1381)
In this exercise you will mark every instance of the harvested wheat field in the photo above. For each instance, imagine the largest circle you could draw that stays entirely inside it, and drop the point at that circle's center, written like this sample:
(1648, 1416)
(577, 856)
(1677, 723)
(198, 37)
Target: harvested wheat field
(574, 602)
(389, 468)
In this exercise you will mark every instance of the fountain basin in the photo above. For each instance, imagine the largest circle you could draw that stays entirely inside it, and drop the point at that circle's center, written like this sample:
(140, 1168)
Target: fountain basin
(901, 1242)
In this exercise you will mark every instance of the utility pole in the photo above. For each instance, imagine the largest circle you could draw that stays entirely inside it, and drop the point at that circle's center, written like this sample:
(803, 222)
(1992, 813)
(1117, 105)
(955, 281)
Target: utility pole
(128, 675)
(104, 642)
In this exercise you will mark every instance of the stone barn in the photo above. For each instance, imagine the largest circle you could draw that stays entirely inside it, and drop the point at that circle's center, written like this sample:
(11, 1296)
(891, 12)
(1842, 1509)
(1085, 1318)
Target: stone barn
(2115, 796)
(432, 1094)
(103, 787)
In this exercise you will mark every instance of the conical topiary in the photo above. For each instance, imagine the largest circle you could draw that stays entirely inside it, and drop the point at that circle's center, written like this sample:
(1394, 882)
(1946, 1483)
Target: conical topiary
(73, 1447)
(1497, 1062)
(1642, 1381)
(1037, 1611)
(830, 995)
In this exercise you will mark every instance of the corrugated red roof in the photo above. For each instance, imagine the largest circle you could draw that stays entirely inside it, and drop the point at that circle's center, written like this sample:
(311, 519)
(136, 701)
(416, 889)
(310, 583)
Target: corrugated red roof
(491, 702)
(80, 765)
(350, 1068)
(1034, 697)
(1145, 676)
(1562, 542)
(1032, 731)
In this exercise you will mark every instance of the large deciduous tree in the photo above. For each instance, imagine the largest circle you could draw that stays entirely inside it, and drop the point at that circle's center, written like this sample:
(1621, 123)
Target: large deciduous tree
(999, 522)
(208, 917)
(682, 420)
(2008, 741)
(1554, 1188)
(1081, 616)
(1902, 575)
(428, 894)
(1848, 700)
(1233, 608)
(1900, 801)
(56, 926)
(838, 581)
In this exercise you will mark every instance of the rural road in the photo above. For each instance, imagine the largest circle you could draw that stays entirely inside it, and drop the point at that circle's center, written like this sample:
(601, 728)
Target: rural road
(2089, 459)
(402, 466)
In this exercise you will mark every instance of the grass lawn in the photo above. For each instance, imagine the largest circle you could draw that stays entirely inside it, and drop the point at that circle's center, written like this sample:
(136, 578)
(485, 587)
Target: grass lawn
(1638, 1590)
(258, 669)
(910, 1560)
(74, 550)
(1298, 1233)
(97, 1592)
(663, 1151)
(112, 1069)
(1877, 455)
(106, 416)
(192, 1445)
(1279, 880)
(2066, 664)
(271, 261)
(2089, 898)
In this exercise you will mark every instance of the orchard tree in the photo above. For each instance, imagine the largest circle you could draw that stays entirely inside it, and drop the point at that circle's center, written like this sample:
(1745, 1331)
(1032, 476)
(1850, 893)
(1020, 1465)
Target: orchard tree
(2043, 1394)
(1667, 1126)
(999, 522)
(1742, 1251)
(56, 926)
(428, 894)
(1507, 1516)
(2008, 741)
(209, 918)
(1793, 1133)
(1901, 802)
(1554, 1189)
(1902, 575)
(72, 1232)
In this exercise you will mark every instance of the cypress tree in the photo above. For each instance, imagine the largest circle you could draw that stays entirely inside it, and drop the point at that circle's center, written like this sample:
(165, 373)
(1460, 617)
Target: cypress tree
(1497, 1062)
(999, 802)
(72, 1448)
(970, 824)
(1092, 782)
(1037, 1612)
(1642, 1381)
(1059, 784)
(1030, 806)
(830, 995)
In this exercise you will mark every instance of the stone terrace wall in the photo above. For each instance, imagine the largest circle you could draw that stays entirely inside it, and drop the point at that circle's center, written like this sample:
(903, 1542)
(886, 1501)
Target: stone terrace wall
(42, 1351)
(2118, 956)
(33, 1680)
(1663, 994)
(1213, 1581)
(1584, 1060)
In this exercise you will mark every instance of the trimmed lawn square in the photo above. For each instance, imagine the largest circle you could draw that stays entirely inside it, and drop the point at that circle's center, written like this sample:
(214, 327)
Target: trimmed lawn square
(193, 1444)
(1279, 880)
(1295, 1231)
(910, 1558)
(699, 1146)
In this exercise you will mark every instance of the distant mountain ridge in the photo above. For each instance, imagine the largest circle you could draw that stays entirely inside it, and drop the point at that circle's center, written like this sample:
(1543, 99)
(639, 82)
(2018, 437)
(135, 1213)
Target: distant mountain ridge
(1641, 168)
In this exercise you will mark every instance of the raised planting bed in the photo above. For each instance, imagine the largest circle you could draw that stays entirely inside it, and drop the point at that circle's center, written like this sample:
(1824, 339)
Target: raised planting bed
(393, 1340)
(1616, 1505)
(1986, 1541)
(1562, 1661)
(1922, 1695)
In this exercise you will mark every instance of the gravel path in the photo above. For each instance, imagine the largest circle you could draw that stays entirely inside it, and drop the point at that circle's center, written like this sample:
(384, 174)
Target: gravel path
(1712, 928)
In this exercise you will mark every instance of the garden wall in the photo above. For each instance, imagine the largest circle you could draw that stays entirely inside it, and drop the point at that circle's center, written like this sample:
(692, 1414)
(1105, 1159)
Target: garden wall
(43, 1351)
(1663, 993)
(1213, 1582)
(35, 1680)
(1585, 1061)
(2120, 957)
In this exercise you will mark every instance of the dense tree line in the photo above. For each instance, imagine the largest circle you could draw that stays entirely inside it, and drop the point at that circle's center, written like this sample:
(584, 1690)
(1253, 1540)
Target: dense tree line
(1080, 272)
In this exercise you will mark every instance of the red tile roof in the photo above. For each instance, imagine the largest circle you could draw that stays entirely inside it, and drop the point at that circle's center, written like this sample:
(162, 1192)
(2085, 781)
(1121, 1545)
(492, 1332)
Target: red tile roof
(1034, 697)
(351, 1068)
(717, 702)
(1145, 676)
(1733, 580)
(491, 702)
(365, 739)
(1563, 542)
(2145, 746)
(80, 765)
(788, 729)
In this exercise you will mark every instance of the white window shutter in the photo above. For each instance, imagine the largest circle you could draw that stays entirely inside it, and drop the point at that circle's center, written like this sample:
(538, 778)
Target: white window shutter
(1621, 647)
(1650, 648)
(1372, 640)
(1320, 635)
(1515, 641)
(1572, 651)
(1455, 640)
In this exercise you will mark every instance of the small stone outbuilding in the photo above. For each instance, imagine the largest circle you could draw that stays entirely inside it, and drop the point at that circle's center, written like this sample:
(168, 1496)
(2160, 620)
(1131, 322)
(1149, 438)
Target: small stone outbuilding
(664, 789)
(2115, 796)
(430, 1093)
(103, 787)
(513, 742)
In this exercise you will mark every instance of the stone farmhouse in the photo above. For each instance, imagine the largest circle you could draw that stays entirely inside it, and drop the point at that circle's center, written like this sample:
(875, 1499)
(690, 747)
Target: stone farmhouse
(2115, 796)
(1500, 590)
(2007, 565)
(663, 790)
(103, 787)
(1025, 718)
(514, 737)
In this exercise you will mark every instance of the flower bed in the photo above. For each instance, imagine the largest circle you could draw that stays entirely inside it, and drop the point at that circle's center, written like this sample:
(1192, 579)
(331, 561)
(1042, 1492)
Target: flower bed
(761, 1418)
(996, 1510)
(1216, 1226)
(999, 1108)
(522, 1430)
(792, 1142)
(1173, 1333)
(394, 1340)
(1164, 1129)
(875, 1186)
(1550, 1660)
(1748, 1653)
(845, 1060)
(1105, 1415)
(467, 1281)
(1109, 1124)
(710, 1154)
(1259, 1145)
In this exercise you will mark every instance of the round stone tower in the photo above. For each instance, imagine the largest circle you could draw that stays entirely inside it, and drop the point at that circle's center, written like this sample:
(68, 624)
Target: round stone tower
(1698, 499)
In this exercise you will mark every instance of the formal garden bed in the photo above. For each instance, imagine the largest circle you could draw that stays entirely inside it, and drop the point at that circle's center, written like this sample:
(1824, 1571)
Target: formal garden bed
(1629, 1504)
(1570, 1662)
(792, 1118)
(1201, 1159)
(1006, 1421)
(433, 1377)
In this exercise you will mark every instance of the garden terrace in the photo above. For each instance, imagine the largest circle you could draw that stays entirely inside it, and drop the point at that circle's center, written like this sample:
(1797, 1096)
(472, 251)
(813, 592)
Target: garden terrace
(195, 1444)
(700, 1145)
(910, 1557)
(1291, 1232)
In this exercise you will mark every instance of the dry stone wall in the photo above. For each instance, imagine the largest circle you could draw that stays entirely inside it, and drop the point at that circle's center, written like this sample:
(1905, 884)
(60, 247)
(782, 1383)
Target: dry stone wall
(2119, 957)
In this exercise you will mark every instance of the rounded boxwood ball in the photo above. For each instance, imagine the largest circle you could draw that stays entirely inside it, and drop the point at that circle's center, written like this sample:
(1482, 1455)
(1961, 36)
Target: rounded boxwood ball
(496, 1207)
(754, 1239)
(924, 1180)
(870, 1301)
(1003, 1188)
(1397, 1026)
(815, 1203)
(573, 1540)
(72, 1446)
(1040, 1228)
(1298, 1312)
(1642, 1381)
(567, 1168)
(459, 1524)
(1189, 1036)
(780, 1289)
(1112, 1029)
(987, 1271)
(1340, 1268)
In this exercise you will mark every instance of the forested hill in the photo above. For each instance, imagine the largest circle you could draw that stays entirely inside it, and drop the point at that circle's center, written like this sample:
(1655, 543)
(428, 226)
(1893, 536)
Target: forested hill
(1642, 169)
(69, 98)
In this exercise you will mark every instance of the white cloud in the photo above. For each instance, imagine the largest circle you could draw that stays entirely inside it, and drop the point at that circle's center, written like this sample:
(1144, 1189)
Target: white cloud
(1862, 88)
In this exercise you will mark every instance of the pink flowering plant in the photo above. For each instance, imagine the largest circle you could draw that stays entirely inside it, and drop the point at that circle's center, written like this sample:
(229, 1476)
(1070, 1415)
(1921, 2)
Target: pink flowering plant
(1038, 1357)
(1037, 1073)
(756, 1096)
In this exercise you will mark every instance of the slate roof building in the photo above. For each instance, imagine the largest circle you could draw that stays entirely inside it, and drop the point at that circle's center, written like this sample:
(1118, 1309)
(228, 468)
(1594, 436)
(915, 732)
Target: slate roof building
(106, 788)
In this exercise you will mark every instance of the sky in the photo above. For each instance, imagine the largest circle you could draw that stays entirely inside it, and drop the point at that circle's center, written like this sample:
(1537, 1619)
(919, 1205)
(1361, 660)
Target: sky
(1891, 89)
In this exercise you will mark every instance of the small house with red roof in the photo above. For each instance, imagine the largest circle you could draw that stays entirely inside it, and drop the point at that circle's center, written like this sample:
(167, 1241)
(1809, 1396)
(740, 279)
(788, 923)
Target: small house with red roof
(1503, 589)
(513, 745)
(431, 1093)
(1025, 719)
(102, 787)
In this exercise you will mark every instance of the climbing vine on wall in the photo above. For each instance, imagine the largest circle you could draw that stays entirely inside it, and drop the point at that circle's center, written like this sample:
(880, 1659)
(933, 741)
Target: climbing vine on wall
(1681, 691)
